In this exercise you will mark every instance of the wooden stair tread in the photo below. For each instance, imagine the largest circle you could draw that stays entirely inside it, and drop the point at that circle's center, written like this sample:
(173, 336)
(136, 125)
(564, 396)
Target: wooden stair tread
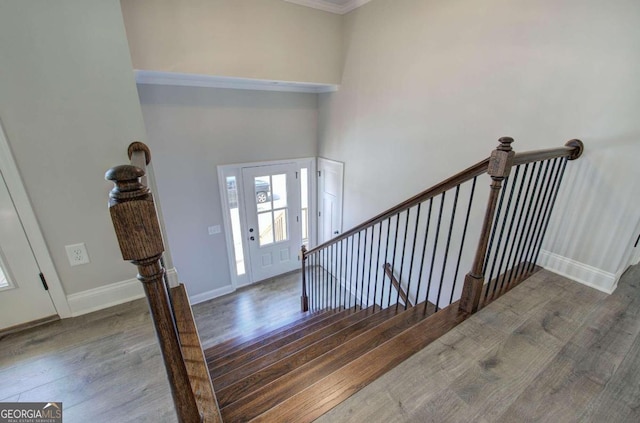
(318, 398)
(277, 334)
(274, 393)
(287, 345)
(262, 333)
(234, 385)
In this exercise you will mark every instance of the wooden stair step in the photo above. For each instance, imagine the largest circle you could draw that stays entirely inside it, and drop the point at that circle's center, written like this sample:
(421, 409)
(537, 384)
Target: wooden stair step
(316, 399)
(238, 383)
(257, 335)
(301, 330)
(287, 345)
(279, 390)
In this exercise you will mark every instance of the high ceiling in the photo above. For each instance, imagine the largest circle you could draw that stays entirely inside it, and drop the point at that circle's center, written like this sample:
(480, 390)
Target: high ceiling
(334, 6)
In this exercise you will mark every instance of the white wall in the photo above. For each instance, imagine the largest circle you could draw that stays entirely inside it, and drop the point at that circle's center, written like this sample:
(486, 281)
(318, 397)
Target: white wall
(193, 130)
(69, 107)
(263, 39)
(429, 86)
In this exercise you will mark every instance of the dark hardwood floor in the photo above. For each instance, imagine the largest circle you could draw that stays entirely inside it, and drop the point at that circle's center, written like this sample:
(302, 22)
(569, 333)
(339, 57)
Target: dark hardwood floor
(549, 350)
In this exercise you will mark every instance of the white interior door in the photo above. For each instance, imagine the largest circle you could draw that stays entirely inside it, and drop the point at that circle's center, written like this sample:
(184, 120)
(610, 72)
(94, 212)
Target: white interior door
(330, 179)
(272, 202)
(23, 297)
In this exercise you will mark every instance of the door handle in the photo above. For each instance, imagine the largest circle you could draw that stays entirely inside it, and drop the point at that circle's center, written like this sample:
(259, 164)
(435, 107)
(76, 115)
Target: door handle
(336, 232)
(252, 238)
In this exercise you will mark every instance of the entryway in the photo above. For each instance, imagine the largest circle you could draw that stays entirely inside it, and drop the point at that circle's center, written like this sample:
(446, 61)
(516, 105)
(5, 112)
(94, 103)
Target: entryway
(268, 213)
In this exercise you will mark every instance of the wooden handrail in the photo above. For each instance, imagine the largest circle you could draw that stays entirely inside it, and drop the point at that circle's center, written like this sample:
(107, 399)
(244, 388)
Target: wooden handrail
(572, 149)
(464, 176)
(403, 295)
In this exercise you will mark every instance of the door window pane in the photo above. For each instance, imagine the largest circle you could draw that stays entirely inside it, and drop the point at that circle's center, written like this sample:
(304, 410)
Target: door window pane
(280, 225)
(265, 228)
(232, 195)
(304, 202)
(262, 186)
(279, 191)
(3, 279)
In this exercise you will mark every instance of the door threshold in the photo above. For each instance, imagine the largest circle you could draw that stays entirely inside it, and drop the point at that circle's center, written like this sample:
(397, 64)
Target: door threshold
(29, 325)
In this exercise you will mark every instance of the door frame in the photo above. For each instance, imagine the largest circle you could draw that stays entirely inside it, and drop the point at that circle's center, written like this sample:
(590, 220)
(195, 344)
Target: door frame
(27, 216)
(321, 162)
(225, 171)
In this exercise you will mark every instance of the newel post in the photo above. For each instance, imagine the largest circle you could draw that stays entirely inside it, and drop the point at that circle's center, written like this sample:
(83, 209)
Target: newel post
(304, 299)
(138, 231)
(500, 164)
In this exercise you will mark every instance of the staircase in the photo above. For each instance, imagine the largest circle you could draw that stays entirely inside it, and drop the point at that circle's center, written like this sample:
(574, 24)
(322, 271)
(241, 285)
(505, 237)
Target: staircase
(357, 320)
(284, 375)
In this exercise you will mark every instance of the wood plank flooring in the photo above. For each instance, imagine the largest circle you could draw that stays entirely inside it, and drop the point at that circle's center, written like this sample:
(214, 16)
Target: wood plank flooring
(549, 350)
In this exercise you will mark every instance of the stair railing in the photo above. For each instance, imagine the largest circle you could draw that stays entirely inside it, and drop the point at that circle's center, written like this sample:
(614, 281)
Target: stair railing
(424, 239)
(138, 232)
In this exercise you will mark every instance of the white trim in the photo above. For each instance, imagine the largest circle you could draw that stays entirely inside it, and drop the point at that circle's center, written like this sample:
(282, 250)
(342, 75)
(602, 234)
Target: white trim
(105, 296)
(587, 275)
(213, 81)
(209, 295)
(331, 7)
(31, 227)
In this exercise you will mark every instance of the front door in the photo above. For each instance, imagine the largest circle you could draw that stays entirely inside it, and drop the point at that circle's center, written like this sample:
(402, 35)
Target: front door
(23, 297)
(272, 201)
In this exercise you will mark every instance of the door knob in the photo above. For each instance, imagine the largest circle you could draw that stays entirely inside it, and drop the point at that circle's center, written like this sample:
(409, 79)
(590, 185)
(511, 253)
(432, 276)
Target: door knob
(336, 232)
(250, 229)
(252, 238)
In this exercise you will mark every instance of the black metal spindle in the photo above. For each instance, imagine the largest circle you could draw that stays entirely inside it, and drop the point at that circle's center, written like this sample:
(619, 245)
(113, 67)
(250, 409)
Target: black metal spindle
(375, 286)
(446, 248)
(548, 217)
(494, 227)
(404, 247)
(435, 249)
(424, 254)
(502, 271)
(464, 236)
(549, 190)
(529, 235)
(500, 245)
(527, 176)
(386, 257)
(413, 253)
(525, 223)
(370, 263)
(393, 256)
(364, 258)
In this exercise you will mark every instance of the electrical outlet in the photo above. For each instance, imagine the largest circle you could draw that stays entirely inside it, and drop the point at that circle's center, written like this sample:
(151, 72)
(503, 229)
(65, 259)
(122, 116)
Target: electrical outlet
(77, 254)
(214, 230)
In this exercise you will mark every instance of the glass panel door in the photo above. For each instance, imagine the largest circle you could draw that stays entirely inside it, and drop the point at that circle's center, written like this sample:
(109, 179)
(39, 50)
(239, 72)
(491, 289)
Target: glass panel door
(272, 201)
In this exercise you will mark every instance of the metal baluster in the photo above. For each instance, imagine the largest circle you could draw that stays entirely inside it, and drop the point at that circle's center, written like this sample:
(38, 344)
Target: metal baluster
(435, 248)
(464, 236)
(413, 252)
(424, 254)
(446, 249)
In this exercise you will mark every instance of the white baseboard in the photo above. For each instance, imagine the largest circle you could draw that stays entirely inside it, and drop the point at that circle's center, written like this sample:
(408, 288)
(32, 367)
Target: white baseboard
(111, 295)
(587, 275)
(209, 295)
(105, 296)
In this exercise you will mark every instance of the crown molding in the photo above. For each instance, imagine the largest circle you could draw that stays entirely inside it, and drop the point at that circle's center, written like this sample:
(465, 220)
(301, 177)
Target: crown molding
(331, 7)
(212, 81)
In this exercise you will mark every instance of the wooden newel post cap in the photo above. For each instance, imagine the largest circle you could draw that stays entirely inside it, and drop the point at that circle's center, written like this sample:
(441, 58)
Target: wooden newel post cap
(134, 215)
(505, 144)
(501, 159)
